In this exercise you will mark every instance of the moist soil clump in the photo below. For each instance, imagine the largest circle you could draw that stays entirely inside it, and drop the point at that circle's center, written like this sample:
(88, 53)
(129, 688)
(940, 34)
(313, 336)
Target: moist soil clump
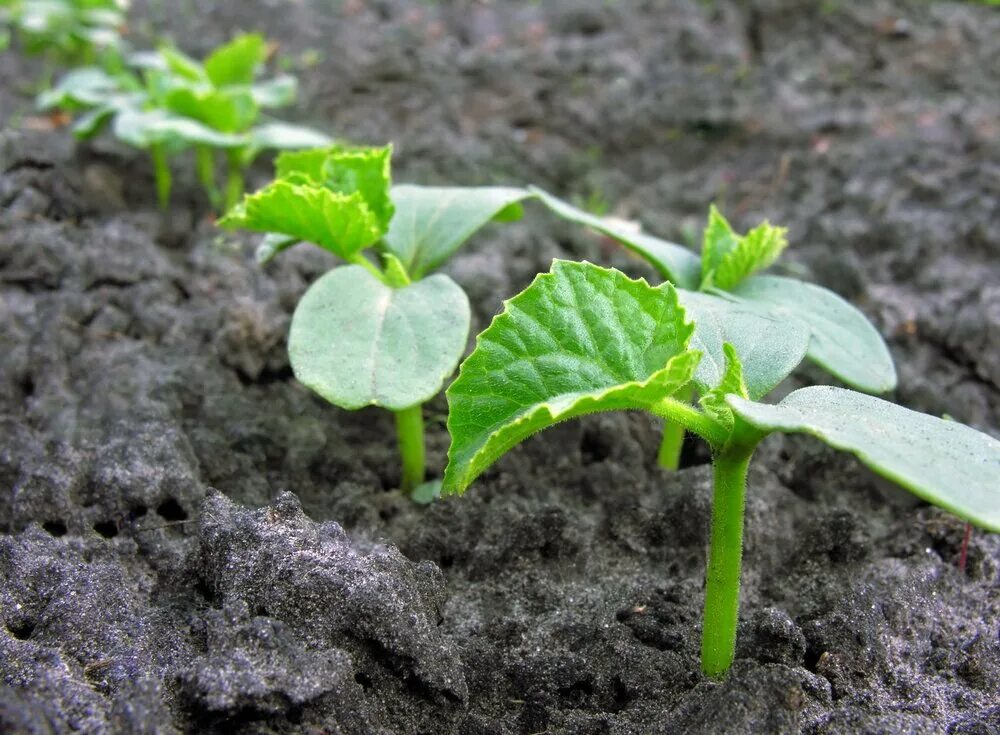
(190, 541)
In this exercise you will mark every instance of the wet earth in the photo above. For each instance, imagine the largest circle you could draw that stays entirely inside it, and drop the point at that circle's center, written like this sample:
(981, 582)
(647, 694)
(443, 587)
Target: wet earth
(190, 541)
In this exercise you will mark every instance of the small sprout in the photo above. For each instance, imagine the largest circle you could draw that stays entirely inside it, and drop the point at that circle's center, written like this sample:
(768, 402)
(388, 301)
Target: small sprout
(168, 102)
(841, 339)
(384, 332)
(582, 339)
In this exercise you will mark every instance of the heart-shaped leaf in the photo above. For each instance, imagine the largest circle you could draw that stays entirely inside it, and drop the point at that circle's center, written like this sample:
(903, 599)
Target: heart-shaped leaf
(579, 339)
(770, 347)
(674, 263)
(358, 342)
(432, 222)
(843, 341)
(943, 462)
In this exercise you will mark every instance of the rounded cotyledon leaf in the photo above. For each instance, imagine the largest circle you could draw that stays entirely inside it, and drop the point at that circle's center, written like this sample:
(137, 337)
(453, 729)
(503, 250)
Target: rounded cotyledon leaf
(579, 339)
(674, 262)
(359, 342)
(431, 222)
(843, 341)
(770, 346)
(944, 462)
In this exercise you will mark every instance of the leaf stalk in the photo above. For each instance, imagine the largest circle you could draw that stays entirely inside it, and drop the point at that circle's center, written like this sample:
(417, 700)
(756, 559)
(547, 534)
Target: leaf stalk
(410, 435)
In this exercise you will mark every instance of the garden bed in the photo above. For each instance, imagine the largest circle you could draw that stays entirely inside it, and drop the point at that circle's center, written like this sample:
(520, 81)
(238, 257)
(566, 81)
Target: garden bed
(193, 542)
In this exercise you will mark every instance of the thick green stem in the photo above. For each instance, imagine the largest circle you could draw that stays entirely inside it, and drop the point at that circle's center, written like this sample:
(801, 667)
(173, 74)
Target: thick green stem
(234, 180)
(205, 163)
(410, 433)
(161, 170)
(722, 579)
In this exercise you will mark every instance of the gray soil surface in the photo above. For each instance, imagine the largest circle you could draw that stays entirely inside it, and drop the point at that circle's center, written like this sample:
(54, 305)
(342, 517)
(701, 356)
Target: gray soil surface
(190, 541)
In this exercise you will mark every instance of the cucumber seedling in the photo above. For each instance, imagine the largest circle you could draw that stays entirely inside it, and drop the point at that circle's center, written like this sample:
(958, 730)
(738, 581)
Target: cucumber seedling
(382, 331)
(582, 339)
(169, 102)
(841, 339)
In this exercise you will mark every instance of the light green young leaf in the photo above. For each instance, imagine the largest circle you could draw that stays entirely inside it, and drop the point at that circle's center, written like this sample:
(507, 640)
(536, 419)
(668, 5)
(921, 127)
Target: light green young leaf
(755, 251)
(340, 223)
(579, 339)
(182, 65)
(714, 402)
(432, 222)
(365, 171)
(843, 341)
(359, 342)
(227, 112)
(770, 346)
(717, 241)
(674, 263)
(237, 61)
(943, 462)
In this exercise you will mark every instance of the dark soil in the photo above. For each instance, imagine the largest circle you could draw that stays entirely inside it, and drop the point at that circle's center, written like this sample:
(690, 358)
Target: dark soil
(192, 542)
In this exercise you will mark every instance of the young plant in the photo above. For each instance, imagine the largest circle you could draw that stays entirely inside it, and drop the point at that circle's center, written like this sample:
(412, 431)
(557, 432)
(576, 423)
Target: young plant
(67, 31)
(583, 339)
(172, 103)
(374, 332)
(841, 339)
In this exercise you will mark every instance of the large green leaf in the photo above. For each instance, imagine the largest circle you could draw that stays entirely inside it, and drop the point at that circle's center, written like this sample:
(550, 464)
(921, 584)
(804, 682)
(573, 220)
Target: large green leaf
(944, 462)
(674, 263)
(579, 339)
(843, 340)
(237, 61)
(432, 222)
(340, 223)
(358, 342)
(770, 346)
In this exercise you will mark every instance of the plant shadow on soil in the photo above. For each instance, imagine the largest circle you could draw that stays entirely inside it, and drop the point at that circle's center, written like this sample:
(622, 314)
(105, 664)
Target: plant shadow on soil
(158, 575)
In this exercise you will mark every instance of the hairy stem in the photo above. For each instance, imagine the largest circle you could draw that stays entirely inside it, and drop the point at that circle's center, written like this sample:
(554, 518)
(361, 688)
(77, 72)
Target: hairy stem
(410, 433)
(722, 579)
(691, 419)
(669, 456)
(205, 163)
(234, 180)
(161, 170)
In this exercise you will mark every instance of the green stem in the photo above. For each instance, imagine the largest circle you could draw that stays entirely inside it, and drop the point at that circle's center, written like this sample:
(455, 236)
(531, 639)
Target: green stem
(691, 419)
(669, 455)
(162, 172)
(410, 433)
(722, 579)
(205, 163)
(234, 179)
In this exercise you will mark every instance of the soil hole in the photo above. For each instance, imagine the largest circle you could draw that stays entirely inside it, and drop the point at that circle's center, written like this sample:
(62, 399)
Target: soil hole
(22, 629)
(55, 528)
(137, 512)
(107, 529)
(594, 447)
(363, 679)
(171, 510)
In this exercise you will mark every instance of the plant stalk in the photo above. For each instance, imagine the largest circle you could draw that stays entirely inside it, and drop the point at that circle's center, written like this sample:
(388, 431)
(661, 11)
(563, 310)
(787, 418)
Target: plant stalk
(722, 579)
(410, 434)
(205, 163)
(234, 179)
(669, 456)
(161, 170)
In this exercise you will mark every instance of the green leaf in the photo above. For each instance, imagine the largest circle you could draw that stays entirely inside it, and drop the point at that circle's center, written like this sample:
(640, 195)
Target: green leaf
(943, 462)
(277, 92)
(843, 341)
(272, 244)
(674, 263)
(340, 223)
(89, 124)
(237, 61)
(728, 258)
(227, 112)
(432, 222)
(358, 342)
(717, 241)
(83, 87)
(285, 136)
(363, 170)
(182, 65)
(770, 346)
(307, 163)
(143, 129)
(579, 339)
(732, 383)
